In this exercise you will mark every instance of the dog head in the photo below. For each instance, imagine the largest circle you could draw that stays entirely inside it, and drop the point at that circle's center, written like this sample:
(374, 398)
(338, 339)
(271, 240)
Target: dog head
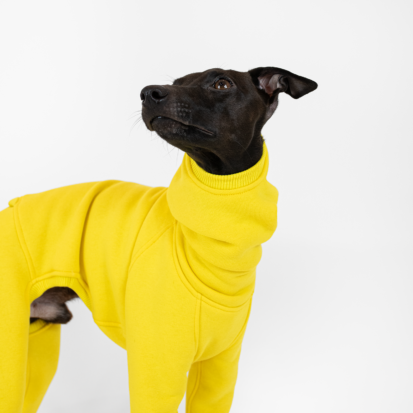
(216, 116)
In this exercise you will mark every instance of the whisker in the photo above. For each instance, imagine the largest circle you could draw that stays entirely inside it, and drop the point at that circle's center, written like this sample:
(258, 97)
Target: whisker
(171, 79)
(136, 113)
(134, 124)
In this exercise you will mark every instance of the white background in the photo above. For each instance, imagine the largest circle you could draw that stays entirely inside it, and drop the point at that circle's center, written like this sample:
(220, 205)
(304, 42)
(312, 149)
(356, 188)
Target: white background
(331, 326)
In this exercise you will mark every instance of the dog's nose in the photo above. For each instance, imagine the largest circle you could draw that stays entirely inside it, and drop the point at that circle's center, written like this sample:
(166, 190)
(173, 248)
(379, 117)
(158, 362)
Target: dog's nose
(153, 93)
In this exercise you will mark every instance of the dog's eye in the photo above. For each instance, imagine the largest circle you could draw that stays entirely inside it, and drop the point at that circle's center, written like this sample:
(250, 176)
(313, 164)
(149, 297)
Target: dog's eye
(222, 84)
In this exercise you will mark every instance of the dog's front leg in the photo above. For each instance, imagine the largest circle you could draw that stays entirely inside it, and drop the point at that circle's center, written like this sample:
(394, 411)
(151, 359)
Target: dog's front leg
(211, 383)
(160, 338)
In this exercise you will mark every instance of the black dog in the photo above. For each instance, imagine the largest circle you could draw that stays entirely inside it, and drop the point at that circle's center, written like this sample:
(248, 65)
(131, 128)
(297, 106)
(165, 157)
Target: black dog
(216, 117)
(167, 272)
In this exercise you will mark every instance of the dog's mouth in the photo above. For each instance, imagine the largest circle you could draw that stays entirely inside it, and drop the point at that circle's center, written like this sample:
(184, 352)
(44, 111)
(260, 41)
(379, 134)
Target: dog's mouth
(184, 125)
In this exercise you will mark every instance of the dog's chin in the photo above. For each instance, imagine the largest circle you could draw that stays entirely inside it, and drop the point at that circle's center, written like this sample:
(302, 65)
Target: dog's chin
(174, 131)
(170, 129)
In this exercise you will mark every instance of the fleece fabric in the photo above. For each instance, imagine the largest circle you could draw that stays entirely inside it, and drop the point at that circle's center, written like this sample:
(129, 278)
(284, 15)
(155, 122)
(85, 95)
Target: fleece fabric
(168, 274)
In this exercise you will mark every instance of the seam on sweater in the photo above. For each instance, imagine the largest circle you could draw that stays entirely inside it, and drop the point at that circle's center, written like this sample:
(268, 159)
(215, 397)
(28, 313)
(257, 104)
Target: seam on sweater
(67, 281)
(41, 329)
(148, 245)
(57, 274)
(198, 374)
(251, 186)
(192, 289)
(222, 307)
(28, 376)
(212, 303)
(108, 324)
(197, 322)
(243, 329)
(178, 269)
(23, 244)
(29, 367)
(75, 274)
(187, 165)
(194, 391)
(224, 192)
(142, 224)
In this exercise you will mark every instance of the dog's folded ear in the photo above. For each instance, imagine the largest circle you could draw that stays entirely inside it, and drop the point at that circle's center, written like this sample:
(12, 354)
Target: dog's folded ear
(273, 79)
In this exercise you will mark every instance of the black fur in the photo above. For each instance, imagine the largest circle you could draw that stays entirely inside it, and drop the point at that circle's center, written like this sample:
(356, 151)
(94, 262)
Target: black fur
(219, 128)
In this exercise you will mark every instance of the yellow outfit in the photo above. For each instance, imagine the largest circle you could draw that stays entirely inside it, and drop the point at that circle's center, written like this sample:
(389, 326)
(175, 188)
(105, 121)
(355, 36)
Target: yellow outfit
(168, 274)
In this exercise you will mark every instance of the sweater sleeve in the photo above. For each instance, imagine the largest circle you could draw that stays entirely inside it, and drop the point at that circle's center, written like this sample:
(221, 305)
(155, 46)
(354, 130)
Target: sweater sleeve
(222, 220)
(211, 382)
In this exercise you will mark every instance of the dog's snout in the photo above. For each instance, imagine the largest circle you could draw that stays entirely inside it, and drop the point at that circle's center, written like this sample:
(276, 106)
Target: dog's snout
(153, 94)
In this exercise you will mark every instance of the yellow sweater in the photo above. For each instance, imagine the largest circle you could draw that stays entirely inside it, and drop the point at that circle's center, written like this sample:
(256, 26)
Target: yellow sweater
(168, 273)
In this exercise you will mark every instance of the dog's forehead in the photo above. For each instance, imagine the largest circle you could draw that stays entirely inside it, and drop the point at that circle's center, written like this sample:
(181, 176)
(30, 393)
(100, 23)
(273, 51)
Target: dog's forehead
(209, 75)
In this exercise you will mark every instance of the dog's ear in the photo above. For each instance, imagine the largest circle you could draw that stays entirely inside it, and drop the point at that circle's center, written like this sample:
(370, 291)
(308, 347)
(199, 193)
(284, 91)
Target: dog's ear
(273, 80)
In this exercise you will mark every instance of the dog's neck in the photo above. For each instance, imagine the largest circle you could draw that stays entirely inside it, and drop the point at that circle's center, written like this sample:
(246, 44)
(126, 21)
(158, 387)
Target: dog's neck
(233, 160)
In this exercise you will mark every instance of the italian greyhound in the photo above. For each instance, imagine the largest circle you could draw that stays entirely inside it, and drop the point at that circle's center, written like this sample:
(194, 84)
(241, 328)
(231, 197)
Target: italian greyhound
(216, 117)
